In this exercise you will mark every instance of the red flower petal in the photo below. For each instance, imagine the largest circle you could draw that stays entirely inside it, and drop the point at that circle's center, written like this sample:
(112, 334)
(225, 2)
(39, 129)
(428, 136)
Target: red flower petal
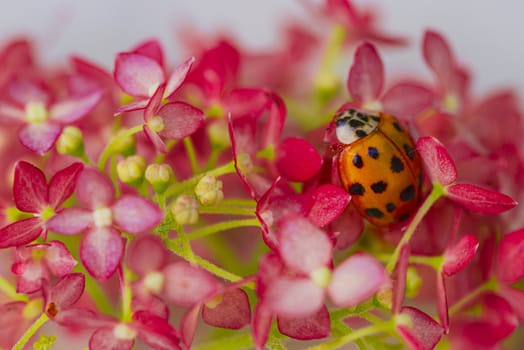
(58, 259)
(399, 279)
(330, 202)
(438, 56)
(262, 318)
(186, 285)
(297, 159)
(407, 99)
(457, 257)
(316, 326)
(439, 164)
(245, 102)
(20, 232)
(101, 250)
(423, 334)
(135, 214)
(232, 311)
(66, 292)
(11, 115)
(62, 184)
(70, 221)
(293, 297)
(94, 189)
(442, 303)
(367, 276)
(39, 138)
(302, 245)
(510, 257)
(155, 331)
(152, 136)
(133, 106)
(29, 188)
(30, 276)
(73, 109)
(188, 325)
(138, 75)
(152, 49)
(478, 199)
(105, 339)
(146, 253)
(366, 76)
(154, 103)
(180, 120)
(514, 298)
(346, 228)
(178, 76)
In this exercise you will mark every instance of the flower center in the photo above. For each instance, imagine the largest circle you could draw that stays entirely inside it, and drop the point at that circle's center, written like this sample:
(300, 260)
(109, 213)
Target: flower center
(123, 331)
(156, 124)
(154, 282)
(47, 213)
(102, 217)
(214, 302)
(36, 112)
(451, 103)
(321, 276)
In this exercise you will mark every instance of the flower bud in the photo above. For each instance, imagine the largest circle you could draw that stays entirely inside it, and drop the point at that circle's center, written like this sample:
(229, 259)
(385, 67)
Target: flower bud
(185, 210)
(131, 170)
(70, 142)
(159, 176)
(124, 145)
(218, 134)
(209, 190)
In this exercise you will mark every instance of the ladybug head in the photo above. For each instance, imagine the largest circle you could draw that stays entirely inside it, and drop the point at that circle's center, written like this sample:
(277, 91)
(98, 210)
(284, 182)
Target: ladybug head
(351, 125)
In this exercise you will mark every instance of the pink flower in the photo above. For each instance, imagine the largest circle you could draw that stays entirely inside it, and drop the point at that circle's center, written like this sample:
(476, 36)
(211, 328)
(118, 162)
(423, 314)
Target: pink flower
(102, 217)
(32, 194)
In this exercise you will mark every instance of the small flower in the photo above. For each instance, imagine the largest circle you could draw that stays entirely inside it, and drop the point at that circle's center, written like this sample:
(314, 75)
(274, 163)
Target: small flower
(209, 190)
(185, 210)
(70, 141)
(32, 194)
(131, 170)
(159, 176)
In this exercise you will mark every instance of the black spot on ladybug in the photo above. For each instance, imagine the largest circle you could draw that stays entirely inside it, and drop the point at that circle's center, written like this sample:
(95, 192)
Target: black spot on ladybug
(356, 189)
(374, 213)
(362, 117)
(355, 123)
(398, 127)
(396, 164)
(403, 217)
(409, 151)
(361, 133)
(408, 193)
(379, 187)
(341, 121)
(352, 111)
(357, 161)
(375, 118)
(373, 152)
(390, 207)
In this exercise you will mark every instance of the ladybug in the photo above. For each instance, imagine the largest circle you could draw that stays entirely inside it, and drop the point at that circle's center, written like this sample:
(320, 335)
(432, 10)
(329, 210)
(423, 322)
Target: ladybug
(378, 165)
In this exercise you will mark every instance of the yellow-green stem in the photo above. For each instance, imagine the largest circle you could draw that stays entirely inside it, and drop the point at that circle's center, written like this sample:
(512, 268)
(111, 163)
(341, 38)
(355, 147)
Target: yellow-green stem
(109, 148)
(191, 154)
(186, 245)
(487, 286)
(222, 226)
(227, 210)
(9, 290)
(39, 322)
(127, 295)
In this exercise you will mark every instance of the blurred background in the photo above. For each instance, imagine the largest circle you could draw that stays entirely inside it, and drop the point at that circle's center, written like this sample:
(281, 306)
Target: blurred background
(488, 36)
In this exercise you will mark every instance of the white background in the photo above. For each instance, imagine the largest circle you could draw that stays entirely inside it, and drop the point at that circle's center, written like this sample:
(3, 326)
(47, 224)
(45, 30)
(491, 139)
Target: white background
(486, 35)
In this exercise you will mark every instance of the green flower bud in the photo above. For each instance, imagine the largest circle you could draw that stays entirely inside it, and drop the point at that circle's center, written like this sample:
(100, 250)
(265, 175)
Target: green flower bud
(209, 190)
(70, 142)
(413, 282)
(218, 134)
(124, 145)
(131, 170)
(185, 210)
(159, 176)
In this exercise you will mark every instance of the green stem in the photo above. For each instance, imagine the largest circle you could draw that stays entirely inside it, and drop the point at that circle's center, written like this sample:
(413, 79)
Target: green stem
(355, 335)
(9, 290)
(222, 226)
(489, 285)
(109, 148)
(436, 193)
(191, 154)
(39, 322)
(239, 202)
(227, 210)
(127, 295)
(186, 245)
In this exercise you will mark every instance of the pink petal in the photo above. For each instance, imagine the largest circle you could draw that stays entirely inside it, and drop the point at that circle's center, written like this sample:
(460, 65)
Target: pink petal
(135, 214)
(293, 297)
(297, 159)
(146, 253)
(302, 245)
(186, 285)
(330, 202)
(346, 228)
(152, 136)
(407, 99)
(29, 188)
(188, 325)
(94, 189)
(514, 298)
(20, 232)
(30, 276)
(138, 75)
(152, 304)
(39, 138)
(438, 56)
(133, 106)
(91, 71)
(356, 279)
(66, 292)
(366, 76)
(460, 255)
(70, 221)
(275, 121)
(105, 339)
(442, 303)
(424, 333)
(63, 183)
(58, 259)
(71, 110)
(439, 164)
(245, 102)
(154, 103)
(101, 251)
(11, 115)
(478, 199)
(155, 331)
(13, 322)
(399, 279)
(178, 76)
(510, 257)
(25, 91)
(261, 325)
(316, 326)
(180, 120)
(270, 267)
(152, 49)
(233, 311)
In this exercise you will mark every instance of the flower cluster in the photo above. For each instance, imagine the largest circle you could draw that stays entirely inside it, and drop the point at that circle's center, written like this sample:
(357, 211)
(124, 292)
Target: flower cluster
(154, 202)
